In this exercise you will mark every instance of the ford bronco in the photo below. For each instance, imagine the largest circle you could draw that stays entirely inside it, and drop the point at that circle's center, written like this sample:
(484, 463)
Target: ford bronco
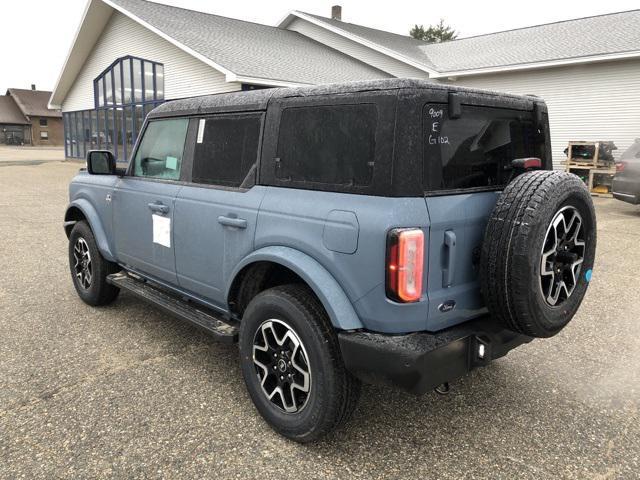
(394, 232)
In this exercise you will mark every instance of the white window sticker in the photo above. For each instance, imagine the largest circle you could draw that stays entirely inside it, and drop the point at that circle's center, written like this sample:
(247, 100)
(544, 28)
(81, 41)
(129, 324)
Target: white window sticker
(201, 130)
(171, 163)
(161, 230)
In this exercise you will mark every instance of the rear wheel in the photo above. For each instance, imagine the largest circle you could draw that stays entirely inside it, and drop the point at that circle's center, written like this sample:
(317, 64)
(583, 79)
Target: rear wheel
(292, 365)
(538, 252)
(89, 269)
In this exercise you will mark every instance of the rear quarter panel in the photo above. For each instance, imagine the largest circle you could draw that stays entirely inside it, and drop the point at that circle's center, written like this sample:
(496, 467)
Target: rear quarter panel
(319, 223)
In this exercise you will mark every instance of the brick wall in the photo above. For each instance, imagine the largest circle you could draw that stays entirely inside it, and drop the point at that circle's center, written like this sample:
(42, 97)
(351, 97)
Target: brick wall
(54, 129)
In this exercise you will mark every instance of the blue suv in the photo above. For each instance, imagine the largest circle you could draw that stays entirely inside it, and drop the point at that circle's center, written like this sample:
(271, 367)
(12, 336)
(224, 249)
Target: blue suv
(394, 232)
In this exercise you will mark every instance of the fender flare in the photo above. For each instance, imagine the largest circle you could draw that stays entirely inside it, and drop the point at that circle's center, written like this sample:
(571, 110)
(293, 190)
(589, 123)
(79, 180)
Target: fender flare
(331, 295)
(93, 218)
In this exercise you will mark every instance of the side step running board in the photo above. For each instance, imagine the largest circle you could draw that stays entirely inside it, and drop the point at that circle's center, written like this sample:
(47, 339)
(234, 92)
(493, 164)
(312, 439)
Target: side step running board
(184, 310)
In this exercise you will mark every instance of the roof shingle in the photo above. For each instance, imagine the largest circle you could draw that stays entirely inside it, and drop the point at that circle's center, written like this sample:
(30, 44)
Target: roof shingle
(582, 37)
(10, 113)
(33, 103)
(252, 49)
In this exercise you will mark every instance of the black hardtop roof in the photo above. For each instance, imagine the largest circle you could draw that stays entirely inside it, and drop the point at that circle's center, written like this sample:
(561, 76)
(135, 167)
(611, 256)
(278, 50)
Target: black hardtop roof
(255, 100)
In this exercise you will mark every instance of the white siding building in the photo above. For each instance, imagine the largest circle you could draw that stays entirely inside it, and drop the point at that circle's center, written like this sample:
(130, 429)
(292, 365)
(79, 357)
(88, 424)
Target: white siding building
(589, 77)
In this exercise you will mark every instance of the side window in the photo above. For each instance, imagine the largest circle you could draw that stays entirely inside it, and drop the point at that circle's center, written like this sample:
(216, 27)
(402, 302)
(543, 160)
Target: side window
(161, 149)
(328, 144)
(226, 149)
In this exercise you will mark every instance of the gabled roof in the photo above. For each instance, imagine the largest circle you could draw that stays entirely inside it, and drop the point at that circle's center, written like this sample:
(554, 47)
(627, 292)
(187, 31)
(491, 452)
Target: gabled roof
(583, 38)
(251, 49)
(402, 47)
(596, 38)
(10, 113)
(33, 103)
(243, 51)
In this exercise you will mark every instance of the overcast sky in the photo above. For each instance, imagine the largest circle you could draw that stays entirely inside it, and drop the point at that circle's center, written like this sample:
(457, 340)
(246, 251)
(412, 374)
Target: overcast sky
(36, 34)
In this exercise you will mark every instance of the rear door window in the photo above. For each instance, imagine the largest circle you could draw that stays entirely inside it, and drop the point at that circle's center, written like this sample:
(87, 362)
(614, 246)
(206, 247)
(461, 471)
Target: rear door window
(475, 150)
(328, 144)
(226, 149)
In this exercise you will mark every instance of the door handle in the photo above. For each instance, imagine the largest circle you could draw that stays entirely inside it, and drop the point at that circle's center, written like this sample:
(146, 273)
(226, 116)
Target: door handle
(450, 260)
(232, 221)
(158, 208)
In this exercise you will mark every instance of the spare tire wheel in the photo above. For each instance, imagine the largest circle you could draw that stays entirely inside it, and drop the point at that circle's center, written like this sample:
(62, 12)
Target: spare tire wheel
(538, 252)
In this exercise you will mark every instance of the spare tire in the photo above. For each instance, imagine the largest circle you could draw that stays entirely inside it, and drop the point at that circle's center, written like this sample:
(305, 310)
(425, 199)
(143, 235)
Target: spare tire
(538, 252)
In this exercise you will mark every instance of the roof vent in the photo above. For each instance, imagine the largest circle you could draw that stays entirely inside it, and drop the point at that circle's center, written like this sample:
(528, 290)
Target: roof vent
(336, 12)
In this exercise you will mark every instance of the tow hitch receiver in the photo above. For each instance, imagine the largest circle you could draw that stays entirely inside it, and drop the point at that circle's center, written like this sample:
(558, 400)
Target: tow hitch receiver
(419, 362)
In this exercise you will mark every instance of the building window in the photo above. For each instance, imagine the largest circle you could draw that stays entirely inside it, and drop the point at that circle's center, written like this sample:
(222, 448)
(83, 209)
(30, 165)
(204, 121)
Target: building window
(128, 81)
(124, 94)
(44, 135)
(43, 121)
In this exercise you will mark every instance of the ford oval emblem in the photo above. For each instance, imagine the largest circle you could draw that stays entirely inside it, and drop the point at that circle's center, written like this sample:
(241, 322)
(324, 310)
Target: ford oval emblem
(447, 306)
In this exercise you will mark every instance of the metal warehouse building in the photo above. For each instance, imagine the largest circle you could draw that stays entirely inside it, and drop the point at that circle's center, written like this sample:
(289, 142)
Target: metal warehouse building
(130, 55)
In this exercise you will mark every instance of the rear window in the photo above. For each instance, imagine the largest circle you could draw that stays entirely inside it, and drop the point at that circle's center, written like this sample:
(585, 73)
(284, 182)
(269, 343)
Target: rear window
(474, 151)
(332, 144)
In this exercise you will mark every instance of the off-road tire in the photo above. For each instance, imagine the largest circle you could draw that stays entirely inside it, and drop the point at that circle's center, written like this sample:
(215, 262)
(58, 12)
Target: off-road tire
(99, 292)
(334, 392)
(510, 264)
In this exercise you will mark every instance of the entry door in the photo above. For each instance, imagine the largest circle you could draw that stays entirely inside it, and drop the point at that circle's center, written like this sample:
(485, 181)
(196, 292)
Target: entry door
(143, 218)
(217, 211)
(144, 201)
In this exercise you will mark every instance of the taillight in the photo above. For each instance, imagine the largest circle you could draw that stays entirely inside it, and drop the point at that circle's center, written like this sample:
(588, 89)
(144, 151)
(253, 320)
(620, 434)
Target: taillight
(405, 264)
(620, 166)
(528, 163)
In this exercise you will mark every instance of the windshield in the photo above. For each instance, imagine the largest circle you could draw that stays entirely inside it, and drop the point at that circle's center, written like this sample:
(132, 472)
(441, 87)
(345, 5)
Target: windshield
(475, 150)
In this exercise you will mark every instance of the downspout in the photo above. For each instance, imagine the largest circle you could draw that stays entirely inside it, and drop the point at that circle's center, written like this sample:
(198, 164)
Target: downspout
(30, 130)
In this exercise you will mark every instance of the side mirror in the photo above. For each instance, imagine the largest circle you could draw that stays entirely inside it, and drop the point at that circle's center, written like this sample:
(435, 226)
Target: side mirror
(101, 162)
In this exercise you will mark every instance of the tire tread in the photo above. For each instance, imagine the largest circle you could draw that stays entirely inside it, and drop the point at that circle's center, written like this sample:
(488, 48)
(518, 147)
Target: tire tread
(506, 247)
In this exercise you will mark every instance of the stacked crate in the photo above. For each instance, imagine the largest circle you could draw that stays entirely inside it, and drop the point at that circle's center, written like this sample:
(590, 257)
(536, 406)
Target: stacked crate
(597, 172)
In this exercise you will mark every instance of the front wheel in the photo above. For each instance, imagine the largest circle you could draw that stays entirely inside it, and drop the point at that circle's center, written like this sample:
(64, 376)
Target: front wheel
(292, 365)
(89, 269)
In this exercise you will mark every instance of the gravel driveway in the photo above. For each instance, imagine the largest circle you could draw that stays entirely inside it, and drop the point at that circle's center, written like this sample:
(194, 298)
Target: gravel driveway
(126, 392)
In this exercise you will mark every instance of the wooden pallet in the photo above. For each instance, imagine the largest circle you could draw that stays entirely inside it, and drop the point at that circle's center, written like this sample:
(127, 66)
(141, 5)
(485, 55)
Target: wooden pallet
(572, 167)
(594, 163)
(594, 167)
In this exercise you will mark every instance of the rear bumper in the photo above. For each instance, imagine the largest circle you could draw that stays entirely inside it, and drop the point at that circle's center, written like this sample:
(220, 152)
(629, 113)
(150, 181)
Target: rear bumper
(626, 197)
(419, 362)
(626, 189)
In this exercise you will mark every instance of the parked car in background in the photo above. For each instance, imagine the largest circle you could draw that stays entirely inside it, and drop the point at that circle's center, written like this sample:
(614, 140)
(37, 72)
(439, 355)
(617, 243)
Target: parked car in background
(395, 232)
(626, 181)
